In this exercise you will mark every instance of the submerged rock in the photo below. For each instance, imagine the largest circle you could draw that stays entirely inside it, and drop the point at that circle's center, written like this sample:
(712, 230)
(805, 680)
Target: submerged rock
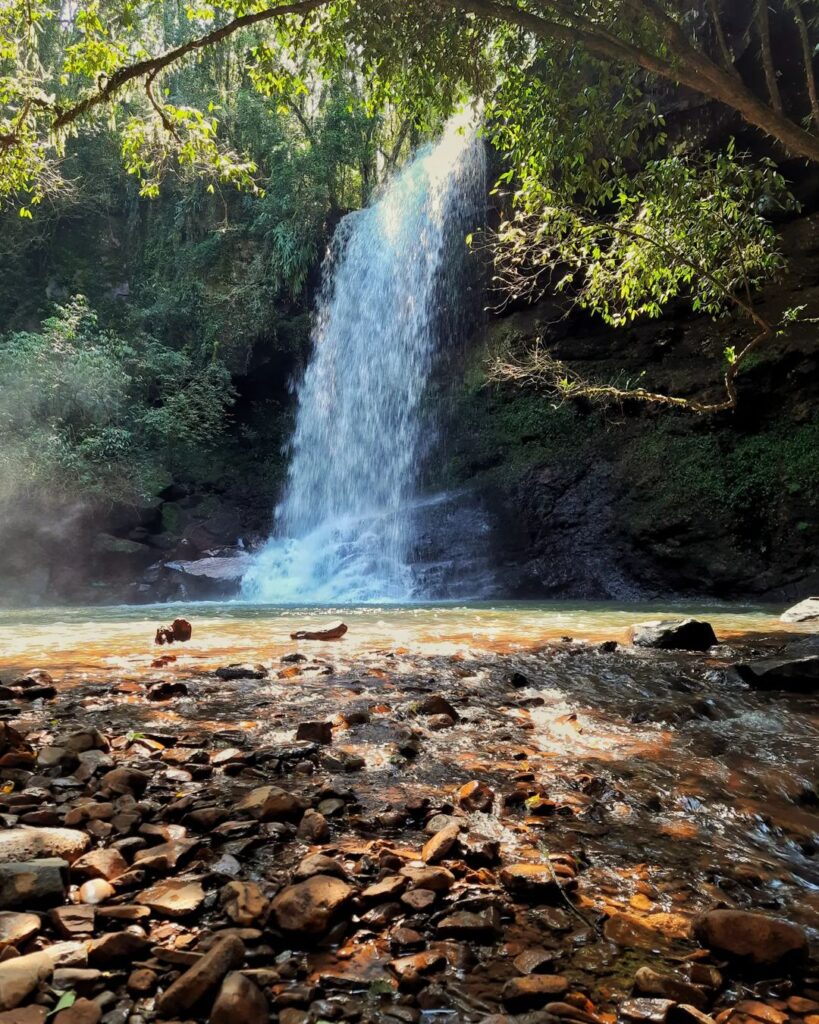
(674, 635)
(753, 939)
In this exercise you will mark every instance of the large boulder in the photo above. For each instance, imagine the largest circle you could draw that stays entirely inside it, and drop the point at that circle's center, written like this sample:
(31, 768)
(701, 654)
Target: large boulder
(309, 908)
(754, 940)
(25, 843)
(805, 611)
(795, 669)
(674, 635)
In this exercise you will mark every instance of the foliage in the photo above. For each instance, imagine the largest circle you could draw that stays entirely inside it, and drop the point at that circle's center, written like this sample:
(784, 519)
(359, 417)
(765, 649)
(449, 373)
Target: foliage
(84, 411)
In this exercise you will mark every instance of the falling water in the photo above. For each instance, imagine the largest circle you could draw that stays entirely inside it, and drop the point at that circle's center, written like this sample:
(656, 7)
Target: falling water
(391, 287)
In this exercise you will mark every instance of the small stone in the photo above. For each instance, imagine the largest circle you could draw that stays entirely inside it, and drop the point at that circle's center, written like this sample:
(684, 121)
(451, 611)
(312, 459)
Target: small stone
(24, 1015)
(96, 890)
(315, 732)
(318, 864)
(270, 803)
(387, 889)
(653, 983)
(419, 900)
(310, 907)
(228, 673)
(411, 970)
(244, 902)
(437, 704)
(15, 929)
(203, 977)
(475, 796)
(438, 723)
(536, 882)
(173, 897)
(126, 781)
(441, 845)
(83, 1011)
(75, 922)
(167, 690)
(142, 982)
(437, 879)
(313, 828)
(240, 1000)
(108, 864)
(117, 946)
(646, 1011)
(533, 991)
(482, 927)
(536, 961)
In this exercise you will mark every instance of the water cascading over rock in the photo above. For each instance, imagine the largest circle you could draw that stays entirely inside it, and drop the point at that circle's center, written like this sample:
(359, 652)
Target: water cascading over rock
(390, 303)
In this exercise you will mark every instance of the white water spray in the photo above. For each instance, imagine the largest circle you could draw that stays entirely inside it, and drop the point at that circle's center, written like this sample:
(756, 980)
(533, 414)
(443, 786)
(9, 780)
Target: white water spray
(344, 529)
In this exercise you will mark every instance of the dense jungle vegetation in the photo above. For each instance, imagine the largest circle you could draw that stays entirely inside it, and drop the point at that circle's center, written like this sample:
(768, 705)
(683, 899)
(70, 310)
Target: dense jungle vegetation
(171, 171)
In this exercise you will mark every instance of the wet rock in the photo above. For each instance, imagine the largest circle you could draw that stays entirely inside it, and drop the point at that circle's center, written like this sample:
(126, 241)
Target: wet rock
(475, 796)
(164, 857)
(654, 931)
(179, 631)
(674, 635)
(83, 740)
(419, 900)
(440, 821)
(342, 761)
(108, 864)
(313, 827)
(684, 1013)
(243, 902)
(15, 929)
(335, 632)
(443, 844)
(173, 897)
(798, 673)
(318, 864)
(646, 1011)
(436, 879)
(167, 690)
(126, 781)
(437, 704)
(118, 946)
(536, 961)
(482, 926)
(75, 922)
(224, 956)
(31, 883)
(534, 882)
(389, 888)
(652, 983)
(310, 907)
(34, 677)
(239, 1000)
(411, 970)
(805, 611)
(533, 991)
(752, 939)
(480, 851)
(437, 723)
(83, 1011)
(229, 673)
(315, 732)
(25, 844)
(269, 803)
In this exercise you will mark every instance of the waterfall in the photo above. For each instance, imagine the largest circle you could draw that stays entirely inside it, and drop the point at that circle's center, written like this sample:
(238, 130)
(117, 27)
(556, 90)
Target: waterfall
(389, 303)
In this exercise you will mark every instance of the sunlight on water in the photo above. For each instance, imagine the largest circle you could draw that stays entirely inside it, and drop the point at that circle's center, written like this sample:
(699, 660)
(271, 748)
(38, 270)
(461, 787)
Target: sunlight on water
(122, 637)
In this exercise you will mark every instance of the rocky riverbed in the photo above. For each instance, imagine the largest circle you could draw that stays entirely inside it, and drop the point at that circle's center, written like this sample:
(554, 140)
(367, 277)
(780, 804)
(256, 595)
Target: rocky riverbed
(576, 832)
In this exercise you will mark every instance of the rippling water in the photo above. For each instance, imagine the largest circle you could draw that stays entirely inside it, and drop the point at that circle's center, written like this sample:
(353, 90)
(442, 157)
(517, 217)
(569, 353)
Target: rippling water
(76, 638)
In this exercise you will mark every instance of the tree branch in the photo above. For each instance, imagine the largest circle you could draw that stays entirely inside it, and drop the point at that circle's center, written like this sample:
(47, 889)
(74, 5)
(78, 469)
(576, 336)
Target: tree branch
(722, 41)
(764, 28)
(153, 65)
(807, 56)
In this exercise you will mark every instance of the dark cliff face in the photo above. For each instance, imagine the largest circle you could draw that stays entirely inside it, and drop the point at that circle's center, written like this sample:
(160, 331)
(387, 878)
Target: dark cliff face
(637, 501)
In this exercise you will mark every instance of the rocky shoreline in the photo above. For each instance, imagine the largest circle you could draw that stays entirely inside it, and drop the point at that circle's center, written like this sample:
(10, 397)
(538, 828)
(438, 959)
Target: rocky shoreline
(579, 833)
